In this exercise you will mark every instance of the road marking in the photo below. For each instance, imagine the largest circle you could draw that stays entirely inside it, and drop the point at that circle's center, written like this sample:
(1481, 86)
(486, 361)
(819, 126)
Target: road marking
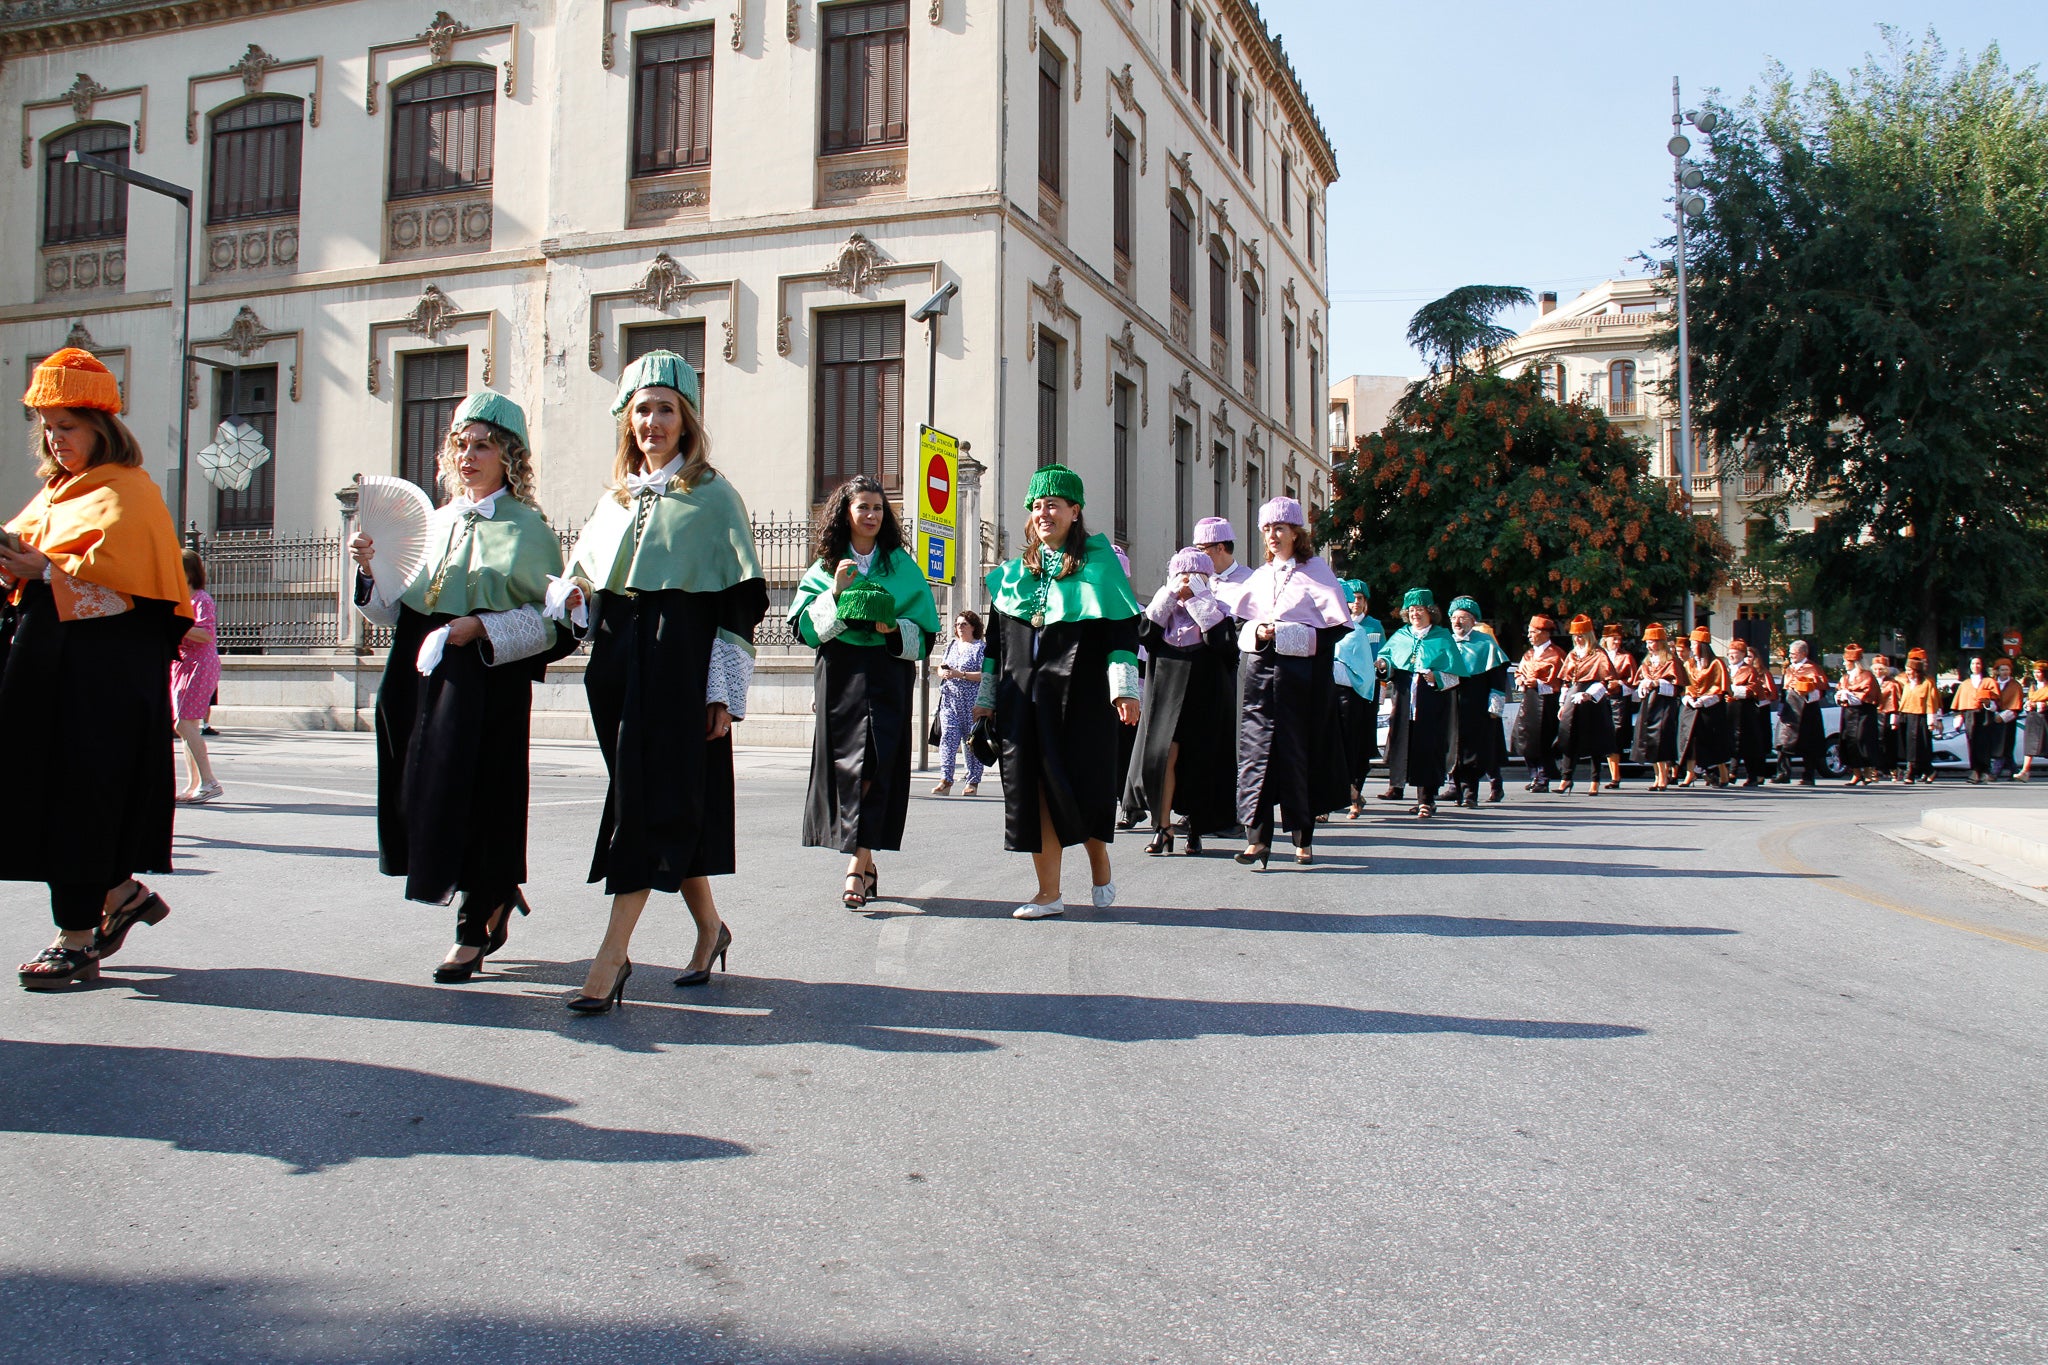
(931, 888)
(1777, 847)
(366, 797)
(892, 951)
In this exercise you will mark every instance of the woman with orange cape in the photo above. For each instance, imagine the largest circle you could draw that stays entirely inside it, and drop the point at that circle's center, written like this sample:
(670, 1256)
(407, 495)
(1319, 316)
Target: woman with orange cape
(96, 605)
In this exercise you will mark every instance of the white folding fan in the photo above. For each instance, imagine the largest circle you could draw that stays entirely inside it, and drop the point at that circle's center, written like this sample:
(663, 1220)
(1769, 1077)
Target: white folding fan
(393, 514)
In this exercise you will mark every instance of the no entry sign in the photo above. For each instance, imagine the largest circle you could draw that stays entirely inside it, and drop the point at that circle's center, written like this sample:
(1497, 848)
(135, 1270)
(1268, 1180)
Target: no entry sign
(938, 503)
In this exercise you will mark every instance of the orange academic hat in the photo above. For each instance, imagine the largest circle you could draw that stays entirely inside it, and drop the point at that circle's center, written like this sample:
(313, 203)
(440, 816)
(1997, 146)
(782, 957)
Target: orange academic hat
(73, 379)
(1702, 636)
(1613, 628)
(1653, 631)
(1916, 653)
(1738, 643)
(1543, 623)
(1852, 651)
(1582, 624)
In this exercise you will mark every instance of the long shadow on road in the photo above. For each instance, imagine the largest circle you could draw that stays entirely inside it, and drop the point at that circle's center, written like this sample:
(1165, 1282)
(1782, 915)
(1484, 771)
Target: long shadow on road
(309, 1113)
(768, 1012)
(1316, 922)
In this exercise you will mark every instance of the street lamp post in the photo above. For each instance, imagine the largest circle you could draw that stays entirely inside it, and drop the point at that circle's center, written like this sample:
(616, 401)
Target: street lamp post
(929, 313)
(1685, 179)
(183, 309)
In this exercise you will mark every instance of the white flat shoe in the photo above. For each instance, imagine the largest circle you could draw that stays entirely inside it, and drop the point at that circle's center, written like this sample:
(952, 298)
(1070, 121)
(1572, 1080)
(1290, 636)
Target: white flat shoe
(1104, 895)
(1033, 910)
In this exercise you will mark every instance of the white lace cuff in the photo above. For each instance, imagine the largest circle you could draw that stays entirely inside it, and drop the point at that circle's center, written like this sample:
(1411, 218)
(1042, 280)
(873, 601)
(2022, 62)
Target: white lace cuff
(1447, 681)
(824, 616)
(732, 671)
(510, 636)
(1123, 681)
(985, 695)
(913, 639)
(371, 604)
(1159, 610)
(1294, 639)
(1205, 610)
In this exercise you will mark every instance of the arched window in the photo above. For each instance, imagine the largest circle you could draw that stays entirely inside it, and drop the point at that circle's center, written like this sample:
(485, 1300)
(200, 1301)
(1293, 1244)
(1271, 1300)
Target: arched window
(443, 131)
(1621, 382)
(1181, 249)
(81, 205)
(254, 169)
(1553, 383)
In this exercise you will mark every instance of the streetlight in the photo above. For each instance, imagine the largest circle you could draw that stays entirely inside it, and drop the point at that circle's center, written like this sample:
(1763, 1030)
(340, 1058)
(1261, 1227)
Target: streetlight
(183, 257)
(1686, 203)
(929, 312)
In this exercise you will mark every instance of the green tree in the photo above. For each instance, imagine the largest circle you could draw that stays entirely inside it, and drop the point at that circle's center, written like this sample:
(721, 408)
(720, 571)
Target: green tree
(1483, 485)
(1870, 325)
(1461, 323)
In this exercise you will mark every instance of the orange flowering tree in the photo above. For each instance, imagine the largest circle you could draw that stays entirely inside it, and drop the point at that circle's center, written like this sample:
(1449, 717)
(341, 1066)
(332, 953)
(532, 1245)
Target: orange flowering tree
(1482, 485)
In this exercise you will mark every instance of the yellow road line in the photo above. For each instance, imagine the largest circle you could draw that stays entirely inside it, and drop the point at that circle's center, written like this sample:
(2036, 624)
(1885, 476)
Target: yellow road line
(1776, 846)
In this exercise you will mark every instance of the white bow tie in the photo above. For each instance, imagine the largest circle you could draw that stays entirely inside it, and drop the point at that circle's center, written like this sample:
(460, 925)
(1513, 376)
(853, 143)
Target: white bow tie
(486, 509)
(656, 482)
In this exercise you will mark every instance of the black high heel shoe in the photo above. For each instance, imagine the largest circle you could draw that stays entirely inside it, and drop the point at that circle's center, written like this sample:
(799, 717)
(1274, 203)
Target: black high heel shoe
(1247, 858)
(1304, 857)
(699, 978)
(1194, 846)
(503, 932)
(605, 1004)
(146, 908)
(455, 973)
(56, 968)
(1162, 843)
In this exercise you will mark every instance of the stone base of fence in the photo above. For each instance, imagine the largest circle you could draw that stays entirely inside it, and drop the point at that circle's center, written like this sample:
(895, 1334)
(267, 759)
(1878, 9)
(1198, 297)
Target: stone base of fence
(338, 691)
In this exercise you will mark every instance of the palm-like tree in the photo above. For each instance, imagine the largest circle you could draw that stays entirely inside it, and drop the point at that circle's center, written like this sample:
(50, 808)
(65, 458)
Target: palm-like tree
(1462, 322)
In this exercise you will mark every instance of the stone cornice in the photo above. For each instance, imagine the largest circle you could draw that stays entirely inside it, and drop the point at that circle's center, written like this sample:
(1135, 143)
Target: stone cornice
(48, 25)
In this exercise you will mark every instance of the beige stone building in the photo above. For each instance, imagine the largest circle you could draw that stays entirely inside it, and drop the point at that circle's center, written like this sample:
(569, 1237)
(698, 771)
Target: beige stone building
(1602, 348)
(396, 205)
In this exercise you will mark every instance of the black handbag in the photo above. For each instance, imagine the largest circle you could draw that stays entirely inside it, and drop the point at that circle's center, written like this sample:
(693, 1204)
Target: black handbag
(981, 742)
(932, 736)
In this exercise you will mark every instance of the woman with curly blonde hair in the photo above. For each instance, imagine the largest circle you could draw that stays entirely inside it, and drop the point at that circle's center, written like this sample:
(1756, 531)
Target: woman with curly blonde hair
(453, 712)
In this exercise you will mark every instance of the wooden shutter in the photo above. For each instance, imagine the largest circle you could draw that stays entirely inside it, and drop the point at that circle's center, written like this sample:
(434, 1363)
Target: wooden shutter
(257, 150)
(867, 75)
(1195, 60)
(860, 397)
(433, 384)
(1219, 292)
(249, 395)
(1174, 20)
(81, 205)
(1181, 250)
(1121, 194)
(1048, 399)
(672, 101)
(1121, 470)
(1050, 81)
(1250, 341)
(443, 131)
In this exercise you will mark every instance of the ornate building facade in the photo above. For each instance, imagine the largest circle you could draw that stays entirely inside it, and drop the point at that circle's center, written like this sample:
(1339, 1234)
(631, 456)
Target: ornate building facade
(395, 205)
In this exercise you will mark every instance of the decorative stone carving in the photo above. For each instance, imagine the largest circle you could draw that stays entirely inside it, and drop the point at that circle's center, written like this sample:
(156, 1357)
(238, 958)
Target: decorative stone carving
(663, 281)
(82, 268)
(739, 25)
(937, 14)
(80, 338)
(1287, 295)
(858, 264)
(452, 226)
(731, 349)
(1125, 87)
(245, 333)
(440, 35)
(790, 21)
(864, 177)
(254, 66)
(430, 315)
(782, 343)
(83, 94)
(1050, 298)
(1123, 353)
(1056, 10)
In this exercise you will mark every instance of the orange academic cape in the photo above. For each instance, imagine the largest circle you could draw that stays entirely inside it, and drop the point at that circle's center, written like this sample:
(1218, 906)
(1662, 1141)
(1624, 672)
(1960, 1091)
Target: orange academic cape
(1541, 666)
(1661, 669)
(1591, 667)
(1862, 685)
(1754, 678)
(1623, 667)
(1919, 697)
(1984, 694)
(1710, 678)
(1889, 690)
(1806, 678)
(107, 528)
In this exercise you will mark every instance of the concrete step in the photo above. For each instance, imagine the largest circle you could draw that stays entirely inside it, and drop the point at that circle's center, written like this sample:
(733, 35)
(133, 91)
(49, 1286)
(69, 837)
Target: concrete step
(2013, 832)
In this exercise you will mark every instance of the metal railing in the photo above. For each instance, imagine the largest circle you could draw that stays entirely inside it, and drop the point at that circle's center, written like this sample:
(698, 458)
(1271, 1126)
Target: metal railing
(288, 593)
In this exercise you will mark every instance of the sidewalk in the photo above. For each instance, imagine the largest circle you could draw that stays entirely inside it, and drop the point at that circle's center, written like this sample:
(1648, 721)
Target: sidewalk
(2004, 845)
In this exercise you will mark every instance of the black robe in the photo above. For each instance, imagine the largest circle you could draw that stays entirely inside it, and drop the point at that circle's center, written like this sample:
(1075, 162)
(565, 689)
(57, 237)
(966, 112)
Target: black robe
(1290, 758)
(1475, 731)
(1803, 732)
(860, 746)
(1055, 726)
(85, 722)
(1190, 700)
(1657, 728)
(2034, 734)
(1420, 736)
(1752, 718)
(1536, 732)
(1358, 723)
(1706, 736)
(1862, 739)
(1983, 733)
(1915, 744)
(1585, 727)
(452, 763)
(668, 811)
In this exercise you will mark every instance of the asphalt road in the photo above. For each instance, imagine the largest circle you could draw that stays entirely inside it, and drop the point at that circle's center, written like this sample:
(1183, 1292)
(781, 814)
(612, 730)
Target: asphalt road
(1694, 1077)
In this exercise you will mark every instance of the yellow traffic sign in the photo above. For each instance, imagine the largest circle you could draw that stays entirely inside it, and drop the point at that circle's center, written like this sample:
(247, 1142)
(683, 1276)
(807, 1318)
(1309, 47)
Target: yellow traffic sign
(938, 503)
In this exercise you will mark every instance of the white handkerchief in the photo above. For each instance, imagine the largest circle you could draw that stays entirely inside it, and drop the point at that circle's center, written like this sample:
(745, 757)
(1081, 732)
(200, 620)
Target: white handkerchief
(431, 650)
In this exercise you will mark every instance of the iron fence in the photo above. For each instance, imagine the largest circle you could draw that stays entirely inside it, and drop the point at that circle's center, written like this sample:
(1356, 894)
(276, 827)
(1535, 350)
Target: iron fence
(286, 593)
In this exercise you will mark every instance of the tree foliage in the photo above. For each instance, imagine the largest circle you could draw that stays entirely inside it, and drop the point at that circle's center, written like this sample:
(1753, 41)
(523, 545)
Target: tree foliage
(1869, 324)
(1483, 485)
(1461, 323)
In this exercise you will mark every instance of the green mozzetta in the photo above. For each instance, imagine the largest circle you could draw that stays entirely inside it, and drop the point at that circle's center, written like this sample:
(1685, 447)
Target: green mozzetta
(1481, 653)
(1099, 590)
(694, 541)
(499, 562)
(1435, 651)
(896, 574)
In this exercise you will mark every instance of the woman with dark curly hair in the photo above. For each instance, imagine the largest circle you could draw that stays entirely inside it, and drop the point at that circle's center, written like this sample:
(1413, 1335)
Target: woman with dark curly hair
(454, 710)
(865, 607)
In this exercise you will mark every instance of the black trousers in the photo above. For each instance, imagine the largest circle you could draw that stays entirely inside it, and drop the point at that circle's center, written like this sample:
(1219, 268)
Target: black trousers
(76, 906)
(473, 916)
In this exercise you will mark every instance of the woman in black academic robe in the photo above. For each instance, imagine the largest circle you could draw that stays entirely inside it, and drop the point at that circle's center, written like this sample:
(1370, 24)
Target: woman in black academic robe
(1185, 752)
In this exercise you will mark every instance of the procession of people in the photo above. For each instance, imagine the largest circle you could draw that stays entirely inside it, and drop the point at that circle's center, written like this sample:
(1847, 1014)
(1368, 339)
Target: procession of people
(1238, 700)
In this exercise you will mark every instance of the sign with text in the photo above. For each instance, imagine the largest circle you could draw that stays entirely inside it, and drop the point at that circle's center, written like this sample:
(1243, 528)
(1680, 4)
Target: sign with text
(1972, 633)
(938, 503)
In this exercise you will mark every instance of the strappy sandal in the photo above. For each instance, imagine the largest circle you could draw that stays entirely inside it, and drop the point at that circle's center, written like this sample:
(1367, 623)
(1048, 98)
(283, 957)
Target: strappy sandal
(144, 907)
(855, 897)
(55, 968)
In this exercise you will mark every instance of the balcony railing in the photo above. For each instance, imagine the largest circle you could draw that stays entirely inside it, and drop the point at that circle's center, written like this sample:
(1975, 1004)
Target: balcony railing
(1625, 405)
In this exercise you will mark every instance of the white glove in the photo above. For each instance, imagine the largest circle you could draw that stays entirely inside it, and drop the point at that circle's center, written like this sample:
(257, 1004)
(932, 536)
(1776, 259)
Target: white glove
(1642, 690)
(1496, 703)
(556, 605)
(1710, 699)
(431, 650)
(1740, 691)
(1665, 689)
(1544, 689)
(1598, 691)
(1447, 681)
(1688, 702)
(2005, 715)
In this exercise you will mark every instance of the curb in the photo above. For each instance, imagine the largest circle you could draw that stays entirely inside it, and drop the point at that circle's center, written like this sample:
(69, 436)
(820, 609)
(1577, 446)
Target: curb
(1958, 825)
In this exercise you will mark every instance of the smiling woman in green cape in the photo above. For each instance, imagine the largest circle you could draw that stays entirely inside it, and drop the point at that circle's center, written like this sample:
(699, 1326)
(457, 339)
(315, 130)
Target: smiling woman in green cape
(1480, 699)
(454, 708)
(1423, 667)
(865, 607)
(1060, 673)
(665, 569)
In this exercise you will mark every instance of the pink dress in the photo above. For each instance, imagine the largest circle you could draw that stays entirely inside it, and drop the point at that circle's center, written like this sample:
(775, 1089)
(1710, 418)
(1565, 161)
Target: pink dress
(195, 673)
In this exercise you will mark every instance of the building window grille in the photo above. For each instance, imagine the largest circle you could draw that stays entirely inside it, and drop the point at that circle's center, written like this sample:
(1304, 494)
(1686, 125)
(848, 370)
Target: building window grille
(254, 170)
(867, 75)
(860, 397)
(672, 102)
(443, 131)
(81, 205)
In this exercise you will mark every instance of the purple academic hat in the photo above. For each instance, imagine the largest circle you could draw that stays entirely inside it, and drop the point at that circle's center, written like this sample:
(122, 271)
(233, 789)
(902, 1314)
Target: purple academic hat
(1122, 558)
(1214, 531)
(1282, 512)
(1190, 561)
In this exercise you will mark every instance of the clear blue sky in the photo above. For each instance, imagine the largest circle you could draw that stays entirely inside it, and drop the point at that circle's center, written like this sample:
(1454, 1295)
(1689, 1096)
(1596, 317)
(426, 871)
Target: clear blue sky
(1483, 142)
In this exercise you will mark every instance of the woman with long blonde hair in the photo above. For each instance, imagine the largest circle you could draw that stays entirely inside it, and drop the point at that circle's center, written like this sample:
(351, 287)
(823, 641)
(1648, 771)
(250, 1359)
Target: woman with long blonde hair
(454, 710)
(664, 583)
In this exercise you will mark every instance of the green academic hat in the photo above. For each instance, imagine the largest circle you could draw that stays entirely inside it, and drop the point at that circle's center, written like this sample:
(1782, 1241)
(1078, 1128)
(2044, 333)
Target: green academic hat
(657, 369)
(1466, 604)
(1354, 589)
(1418, 597)
(866, 603)
(1055, 481)
(495, 408)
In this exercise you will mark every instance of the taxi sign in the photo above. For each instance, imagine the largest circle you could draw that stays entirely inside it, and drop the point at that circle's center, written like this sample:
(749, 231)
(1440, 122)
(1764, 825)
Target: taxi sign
(938, 503)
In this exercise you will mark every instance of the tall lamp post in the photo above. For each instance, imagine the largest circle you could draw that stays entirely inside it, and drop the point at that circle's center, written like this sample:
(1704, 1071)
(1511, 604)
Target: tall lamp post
(1686, 203)
(183, 309)
(929, 312)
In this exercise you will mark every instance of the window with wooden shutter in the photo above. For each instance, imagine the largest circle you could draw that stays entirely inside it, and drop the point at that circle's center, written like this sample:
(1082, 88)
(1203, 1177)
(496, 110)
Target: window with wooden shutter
(254, 169)
(1180, 249)
(1252, 499)
(1219, 291)
(443, 131)
(81, 205)
(1120, 412)
(867, 75)
(1250, 160)
(1287, 368)
(1230, 114)
(686, 339)
(1216, 86)
(1287, 190)
(1049, 357)
(860, 397)
(672, 101)
(432, 385)
(1174, 19)
(1123, 195)
(1183, 479)
(1195, 50)
(1250, 343)
(1051, 78)
(249, 395)
(1220, 488)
